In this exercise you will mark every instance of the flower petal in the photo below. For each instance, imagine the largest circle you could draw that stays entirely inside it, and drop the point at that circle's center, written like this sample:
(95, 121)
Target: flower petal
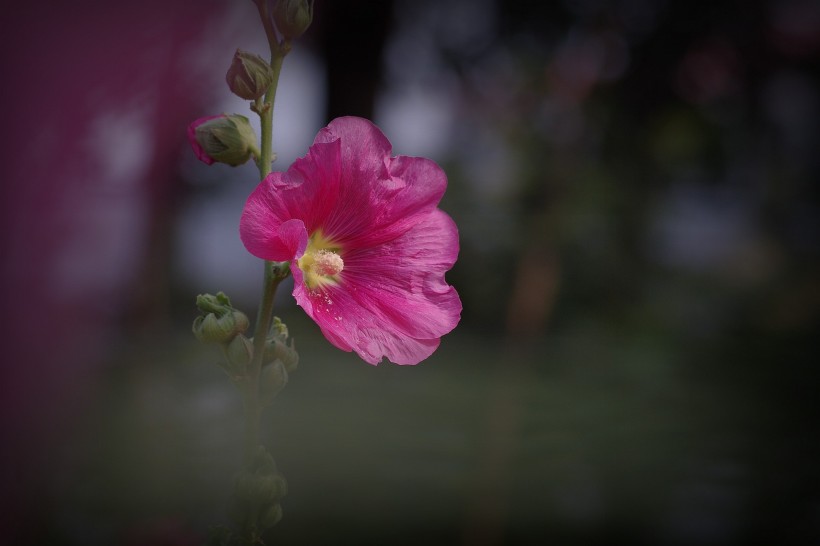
(391, 300)
(403, 281)
(385, 192)
(309, 189)
(364, 147)
(422, 186)
(349, 326)
(306, 192)
(278, 242)
(417, 186)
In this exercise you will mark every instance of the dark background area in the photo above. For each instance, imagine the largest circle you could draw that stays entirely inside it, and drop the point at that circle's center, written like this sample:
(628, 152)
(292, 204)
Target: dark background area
(635, 185)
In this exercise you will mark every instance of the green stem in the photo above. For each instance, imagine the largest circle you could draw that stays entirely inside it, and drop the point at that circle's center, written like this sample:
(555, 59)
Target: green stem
(274, 272)
(272, 279)
(266, 119)
(277, 55)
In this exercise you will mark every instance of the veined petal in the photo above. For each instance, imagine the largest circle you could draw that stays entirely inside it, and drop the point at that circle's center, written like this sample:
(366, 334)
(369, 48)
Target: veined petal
(364, 147)
(422, 185)
(402, 281)
(309, 189)
(306, 193)
(385, 192)
(276, 242)
(418, 185)
(391, 301)
(349, 326)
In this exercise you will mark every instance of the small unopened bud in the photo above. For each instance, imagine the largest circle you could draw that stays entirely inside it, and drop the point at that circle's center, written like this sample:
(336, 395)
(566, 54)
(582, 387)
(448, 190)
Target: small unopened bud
(279, 329)
(222, 329)
(277, 349)
(224, 138)
(249, 75)
(293, 17)
(239, 353)
(269, 489)
(272, 379)
(256, 497)
(271, 516)
(220, 322)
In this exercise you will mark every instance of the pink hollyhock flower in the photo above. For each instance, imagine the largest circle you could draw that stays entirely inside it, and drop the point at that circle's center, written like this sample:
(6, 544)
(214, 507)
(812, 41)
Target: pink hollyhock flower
(366, 243)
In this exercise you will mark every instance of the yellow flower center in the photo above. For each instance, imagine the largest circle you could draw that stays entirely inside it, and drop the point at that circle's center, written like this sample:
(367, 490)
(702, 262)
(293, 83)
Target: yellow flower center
(321, 263)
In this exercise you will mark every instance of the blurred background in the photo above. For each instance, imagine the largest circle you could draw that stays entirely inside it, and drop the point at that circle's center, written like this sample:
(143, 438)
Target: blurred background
(636, 188)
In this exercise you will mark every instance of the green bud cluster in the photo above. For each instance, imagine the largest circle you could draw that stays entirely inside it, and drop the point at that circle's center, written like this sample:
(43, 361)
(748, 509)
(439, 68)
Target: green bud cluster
(280, 359)
(219, 321)
(258, 491)
(277, 346)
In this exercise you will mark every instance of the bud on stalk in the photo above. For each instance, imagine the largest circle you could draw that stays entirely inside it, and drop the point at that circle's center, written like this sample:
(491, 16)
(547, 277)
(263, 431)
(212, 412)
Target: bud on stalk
(224, 138)
(249, 75)
(293, 17)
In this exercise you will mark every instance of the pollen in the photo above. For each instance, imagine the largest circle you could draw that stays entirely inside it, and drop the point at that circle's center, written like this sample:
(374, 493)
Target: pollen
(327, 263)
(321, 262)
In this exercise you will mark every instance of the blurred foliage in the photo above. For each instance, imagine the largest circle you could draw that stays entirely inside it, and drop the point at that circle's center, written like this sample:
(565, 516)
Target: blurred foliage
(636, 187)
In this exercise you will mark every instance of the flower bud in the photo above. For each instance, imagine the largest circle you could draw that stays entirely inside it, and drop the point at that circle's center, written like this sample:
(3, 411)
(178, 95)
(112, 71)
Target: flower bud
(239, 353)
(277, 350)
(293, 17)
(272, 379)
(279, 328)
(208, 303)
(249, 75)
(219, 329)
(224, 138)
(257, 491)
(260, 489)
(269, 489)
(271, 516)
(220, 322)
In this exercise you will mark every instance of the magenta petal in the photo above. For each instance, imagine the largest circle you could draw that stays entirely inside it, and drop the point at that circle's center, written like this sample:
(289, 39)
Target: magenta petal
(292, 241)
(392, 300)
(265, 235)
(349, 326)
(309, 190)
(415, 188)
(403, 281)
(305, 193)
(422, 185)
(386, 192)
(198, 150)
(364, 148)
